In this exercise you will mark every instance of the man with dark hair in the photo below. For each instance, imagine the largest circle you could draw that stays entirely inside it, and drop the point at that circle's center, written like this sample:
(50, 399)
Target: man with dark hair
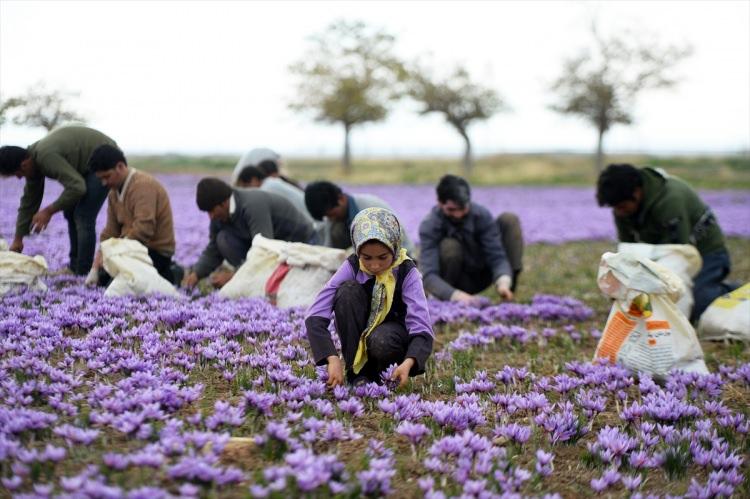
(653, 207)
(463, 250)
(137, 208)
(326, 201)
(237, 215)
(62, 155)
(252, 176)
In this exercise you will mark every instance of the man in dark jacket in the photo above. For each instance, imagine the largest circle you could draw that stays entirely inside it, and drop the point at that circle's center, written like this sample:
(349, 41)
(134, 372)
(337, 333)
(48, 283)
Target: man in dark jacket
(464, 250)
(237, 215)
(63, 155)
(653, 207)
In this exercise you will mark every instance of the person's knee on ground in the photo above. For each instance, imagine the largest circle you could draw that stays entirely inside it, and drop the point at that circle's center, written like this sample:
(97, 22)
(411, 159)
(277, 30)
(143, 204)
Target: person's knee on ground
(451, 260)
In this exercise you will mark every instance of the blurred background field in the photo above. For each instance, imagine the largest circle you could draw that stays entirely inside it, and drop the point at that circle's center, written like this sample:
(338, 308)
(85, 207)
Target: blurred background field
(730, 171)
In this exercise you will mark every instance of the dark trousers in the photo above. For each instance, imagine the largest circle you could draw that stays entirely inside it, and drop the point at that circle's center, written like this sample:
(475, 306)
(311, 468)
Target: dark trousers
(473, 280)
(233, 245)
(162, 264)
(708, 284)
(386, 345)
(81, 220)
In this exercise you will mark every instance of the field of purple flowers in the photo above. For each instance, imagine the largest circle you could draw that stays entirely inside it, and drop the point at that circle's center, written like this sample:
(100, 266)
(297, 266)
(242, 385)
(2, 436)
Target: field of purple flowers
(548, 214)
(204, 397)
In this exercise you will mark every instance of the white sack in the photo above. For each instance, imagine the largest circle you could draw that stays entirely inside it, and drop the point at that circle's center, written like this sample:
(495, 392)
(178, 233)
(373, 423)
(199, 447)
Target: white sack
(132, 270)
(682, 259)
(728, 317)
(311, 267)
(18, 270)
(655, 341)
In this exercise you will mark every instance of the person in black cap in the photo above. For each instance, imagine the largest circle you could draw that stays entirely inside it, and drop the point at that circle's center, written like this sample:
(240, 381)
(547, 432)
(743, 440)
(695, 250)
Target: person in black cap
(237, 215)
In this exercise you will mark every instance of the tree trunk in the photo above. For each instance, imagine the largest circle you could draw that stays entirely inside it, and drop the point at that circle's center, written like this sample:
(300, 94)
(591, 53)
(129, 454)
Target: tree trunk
(468, 162)
(347, 160)
(600, 152)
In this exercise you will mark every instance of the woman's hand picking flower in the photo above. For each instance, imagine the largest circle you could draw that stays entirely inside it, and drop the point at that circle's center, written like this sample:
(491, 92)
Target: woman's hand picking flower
(401, 374)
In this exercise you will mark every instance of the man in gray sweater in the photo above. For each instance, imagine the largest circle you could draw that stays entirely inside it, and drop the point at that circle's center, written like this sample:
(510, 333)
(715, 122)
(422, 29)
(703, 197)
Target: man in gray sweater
(237, 215)
(463, 249)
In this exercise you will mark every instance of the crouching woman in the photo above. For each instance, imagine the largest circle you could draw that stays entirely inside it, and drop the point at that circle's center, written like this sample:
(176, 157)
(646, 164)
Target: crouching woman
(378, 304)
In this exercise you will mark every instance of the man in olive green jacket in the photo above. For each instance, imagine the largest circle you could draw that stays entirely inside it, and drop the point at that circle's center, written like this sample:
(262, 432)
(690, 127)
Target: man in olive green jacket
(62, 155)
(653, 207)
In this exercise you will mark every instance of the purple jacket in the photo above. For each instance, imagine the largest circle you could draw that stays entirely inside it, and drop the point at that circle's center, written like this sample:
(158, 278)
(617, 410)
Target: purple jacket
(417, 318)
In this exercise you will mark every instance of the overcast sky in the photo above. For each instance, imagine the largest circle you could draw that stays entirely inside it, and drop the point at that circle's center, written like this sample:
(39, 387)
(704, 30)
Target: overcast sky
(212, 77)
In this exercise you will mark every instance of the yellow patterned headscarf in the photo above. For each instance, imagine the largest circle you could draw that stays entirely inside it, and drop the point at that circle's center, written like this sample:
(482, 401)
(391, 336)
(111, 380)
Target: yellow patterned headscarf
(377, 224)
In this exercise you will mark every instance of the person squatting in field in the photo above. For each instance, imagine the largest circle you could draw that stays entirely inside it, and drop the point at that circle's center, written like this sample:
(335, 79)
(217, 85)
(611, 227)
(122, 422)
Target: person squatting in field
(237, 215)
(651, 206)
(378, 304)
(463, 250)
(138, 208)
(62, 155)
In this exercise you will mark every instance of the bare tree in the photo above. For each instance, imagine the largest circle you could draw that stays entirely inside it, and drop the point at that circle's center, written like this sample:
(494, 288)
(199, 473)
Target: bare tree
(6, 105)
(348, 76)
(601, 84)
(45, 108)
(458, 99)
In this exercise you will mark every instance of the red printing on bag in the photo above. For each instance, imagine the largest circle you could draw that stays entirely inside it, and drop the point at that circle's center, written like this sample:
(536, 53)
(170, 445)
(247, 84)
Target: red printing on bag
(274, 281)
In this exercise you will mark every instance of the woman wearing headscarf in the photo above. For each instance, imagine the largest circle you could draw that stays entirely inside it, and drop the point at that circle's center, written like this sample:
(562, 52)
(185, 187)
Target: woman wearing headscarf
(378, 304)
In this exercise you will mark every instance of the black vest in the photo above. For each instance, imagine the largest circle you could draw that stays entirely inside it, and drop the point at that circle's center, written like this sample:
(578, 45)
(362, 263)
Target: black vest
(398, 307)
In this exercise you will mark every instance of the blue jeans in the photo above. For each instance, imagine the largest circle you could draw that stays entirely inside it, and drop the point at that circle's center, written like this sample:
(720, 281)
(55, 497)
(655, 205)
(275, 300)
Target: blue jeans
(82, 225)
(708, 284)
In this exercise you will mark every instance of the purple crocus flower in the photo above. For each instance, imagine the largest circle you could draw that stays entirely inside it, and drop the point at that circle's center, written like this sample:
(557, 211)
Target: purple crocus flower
(415, 432)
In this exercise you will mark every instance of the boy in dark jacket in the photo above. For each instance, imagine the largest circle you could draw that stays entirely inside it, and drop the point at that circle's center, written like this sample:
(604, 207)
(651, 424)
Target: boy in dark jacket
(464, 250)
